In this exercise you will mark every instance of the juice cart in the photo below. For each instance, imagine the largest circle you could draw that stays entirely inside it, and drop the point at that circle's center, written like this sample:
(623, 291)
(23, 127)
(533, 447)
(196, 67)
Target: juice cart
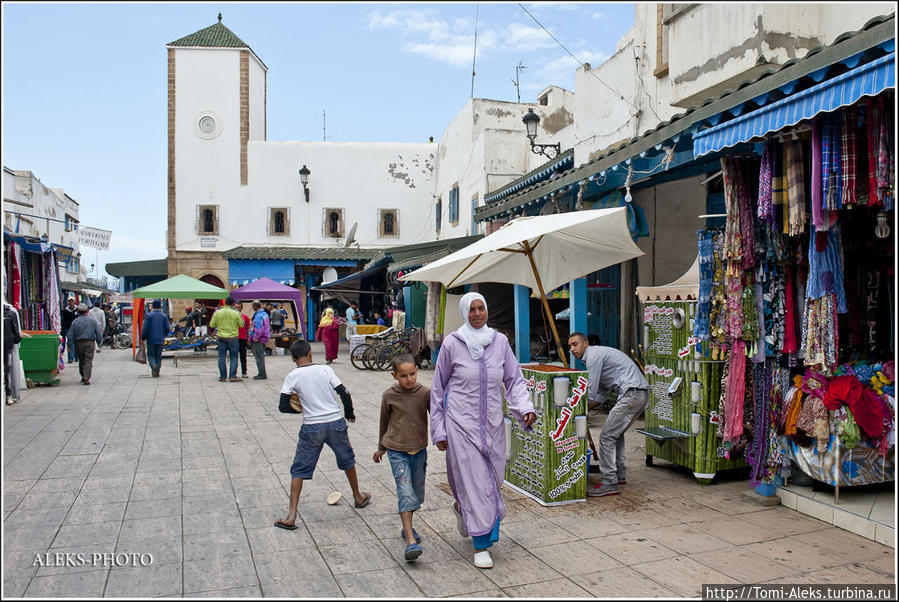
(550, 463)
(684, 387)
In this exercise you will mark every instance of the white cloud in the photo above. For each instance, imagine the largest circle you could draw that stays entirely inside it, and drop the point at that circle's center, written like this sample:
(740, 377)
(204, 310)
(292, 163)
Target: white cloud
(599, 16)
(524, 37)
(411, 22)
(562, 69)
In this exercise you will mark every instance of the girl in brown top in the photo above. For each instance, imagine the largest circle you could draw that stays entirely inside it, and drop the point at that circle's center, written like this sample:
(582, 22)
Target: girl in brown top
(404, 438)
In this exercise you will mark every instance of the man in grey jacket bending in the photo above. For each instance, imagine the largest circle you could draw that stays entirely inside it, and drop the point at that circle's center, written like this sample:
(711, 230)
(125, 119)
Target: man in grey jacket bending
(609, 369)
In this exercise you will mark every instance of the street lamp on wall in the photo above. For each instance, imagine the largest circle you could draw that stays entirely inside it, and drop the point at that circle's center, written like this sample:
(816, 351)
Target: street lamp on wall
(304, 180)
(531, 121)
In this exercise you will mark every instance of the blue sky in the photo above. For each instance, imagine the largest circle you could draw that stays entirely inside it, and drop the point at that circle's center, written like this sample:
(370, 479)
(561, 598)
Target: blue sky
(84, 85)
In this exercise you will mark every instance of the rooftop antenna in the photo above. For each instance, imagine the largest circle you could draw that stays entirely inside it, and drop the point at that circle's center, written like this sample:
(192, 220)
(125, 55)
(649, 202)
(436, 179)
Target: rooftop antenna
(518, 69)
(475, 55)
(324, 122)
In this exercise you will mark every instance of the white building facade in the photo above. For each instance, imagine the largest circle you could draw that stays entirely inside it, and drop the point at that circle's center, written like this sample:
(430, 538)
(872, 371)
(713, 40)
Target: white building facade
(32, 209)
(230, 188)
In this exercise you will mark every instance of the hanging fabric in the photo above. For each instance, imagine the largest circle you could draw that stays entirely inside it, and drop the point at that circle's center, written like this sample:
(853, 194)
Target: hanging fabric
(849, 125)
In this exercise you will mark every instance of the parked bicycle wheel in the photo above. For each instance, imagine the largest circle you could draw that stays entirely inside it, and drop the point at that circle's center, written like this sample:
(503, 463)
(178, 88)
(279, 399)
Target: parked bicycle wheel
(369, 355)
(356, 356)
(386, 355)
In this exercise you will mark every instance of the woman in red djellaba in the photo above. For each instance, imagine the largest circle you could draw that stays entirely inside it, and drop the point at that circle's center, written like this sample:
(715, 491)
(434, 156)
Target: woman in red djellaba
(328, 329)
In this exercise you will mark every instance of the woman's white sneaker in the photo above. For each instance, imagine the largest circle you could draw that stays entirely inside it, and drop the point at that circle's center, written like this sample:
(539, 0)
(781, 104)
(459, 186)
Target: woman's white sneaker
(482, 560)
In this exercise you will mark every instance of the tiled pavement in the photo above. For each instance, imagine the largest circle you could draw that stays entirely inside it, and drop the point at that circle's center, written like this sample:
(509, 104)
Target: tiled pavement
(194, 472)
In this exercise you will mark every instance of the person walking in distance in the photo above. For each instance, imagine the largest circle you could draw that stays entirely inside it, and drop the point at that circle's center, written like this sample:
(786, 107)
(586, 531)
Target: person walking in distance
(68, 315)
(327, 332)
(609, 369)
(314, 386)
(259, 336)
(243, 338)
(276, 318)
(153, 331)
(97, 313)
(86, 332)
(227, 323)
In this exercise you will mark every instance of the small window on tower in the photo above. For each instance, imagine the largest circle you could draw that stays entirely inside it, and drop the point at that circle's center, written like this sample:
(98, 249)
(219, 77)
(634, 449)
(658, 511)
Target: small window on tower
(333, 223)
(207, 219)
(389, 222)
(278, 223)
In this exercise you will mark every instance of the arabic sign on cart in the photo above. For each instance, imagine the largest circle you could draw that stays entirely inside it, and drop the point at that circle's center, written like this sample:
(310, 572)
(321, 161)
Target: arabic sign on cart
(549, 464)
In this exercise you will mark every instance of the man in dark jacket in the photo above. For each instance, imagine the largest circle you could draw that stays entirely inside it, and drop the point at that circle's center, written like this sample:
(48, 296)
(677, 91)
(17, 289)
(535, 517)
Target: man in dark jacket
(153, 331)
(68, 315)
(85, 331)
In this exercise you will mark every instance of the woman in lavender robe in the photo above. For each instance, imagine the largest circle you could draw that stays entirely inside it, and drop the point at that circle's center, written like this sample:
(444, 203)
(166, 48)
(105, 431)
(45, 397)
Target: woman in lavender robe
(474, 364)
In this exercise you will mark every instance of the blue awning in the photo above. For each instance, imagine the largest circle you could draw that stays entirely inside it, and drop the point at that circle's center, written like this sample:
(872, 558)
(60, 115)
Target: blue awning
(869, 79)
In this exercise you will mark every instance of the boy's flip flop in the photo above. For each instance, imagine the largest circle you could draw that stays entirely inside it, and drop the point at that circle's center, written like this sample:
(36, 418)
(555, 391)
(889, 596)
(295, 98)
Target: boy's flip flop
(365, 501)
(284, 525)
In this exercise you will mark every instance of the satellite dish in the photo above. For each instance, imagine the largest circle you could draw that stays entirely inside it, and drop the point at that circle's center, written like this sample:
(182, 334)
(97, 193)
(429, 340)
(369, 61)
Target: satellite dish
(329, 275)
(351, 237)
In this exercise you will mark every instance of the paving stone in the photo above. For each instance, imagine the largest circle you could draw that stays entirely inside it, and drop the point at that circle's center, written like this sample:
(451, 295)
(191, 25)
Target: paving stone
(239, 592)
(163, 551)
(221, 572)
(168, 527)
(631, 548)
(622, 582)
(28, 538)
(743, 565)
(447, 579)
(359, 557)
(268, 540)
(94, 512)
(575, 558)
(684, 539)
(36, 517)
(385, 583)
(210, 545)
(57, 485)
(102, 534)
(682, 575)
(87, 584)
(150, 581)
(346, 531)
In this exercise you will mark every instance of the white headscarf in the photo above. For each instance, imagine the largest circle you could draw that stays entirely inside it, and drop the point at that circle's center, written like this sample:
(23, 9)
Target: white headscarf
(475, 338)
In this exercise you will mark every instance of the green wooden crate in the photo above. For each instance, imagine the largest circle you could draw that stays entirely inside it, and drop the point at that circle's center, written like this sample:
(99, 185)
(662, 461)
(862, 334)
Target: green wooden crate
(40, 356)
(549, 464)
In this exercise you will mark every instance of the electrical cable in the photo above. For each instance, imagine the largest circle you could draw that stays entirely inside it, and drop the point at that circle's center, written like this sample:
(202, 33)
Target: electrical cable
(590, 71)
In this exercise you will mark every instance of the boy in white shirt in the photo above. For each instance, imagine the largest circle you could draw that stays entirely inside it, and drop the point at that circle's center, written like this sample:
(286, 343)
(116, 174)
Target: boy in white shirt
(315, 385)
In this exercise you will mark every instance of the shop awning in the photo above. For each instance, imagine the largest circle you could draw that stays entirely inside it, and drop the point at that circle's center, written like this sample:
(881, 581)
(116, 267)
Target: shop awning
(351, 283)
(869, 79)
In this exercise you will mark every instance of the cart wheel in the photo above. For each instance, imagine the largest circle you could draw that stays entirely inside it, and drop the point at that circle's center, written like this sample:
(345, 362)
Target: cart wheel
(648, 460)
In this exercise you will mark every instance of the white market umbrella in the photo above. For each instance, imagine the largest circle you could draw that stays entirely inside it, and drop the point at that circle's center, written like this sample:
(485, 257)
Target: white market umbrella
(539, 252)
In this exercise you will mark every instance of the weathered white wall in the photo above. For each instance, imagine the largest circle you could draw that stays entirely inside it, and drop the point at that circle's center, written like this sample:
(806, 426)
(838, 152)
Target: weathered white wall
(756, 33)
(257, 99)
(485, 146)
(359, 178)
(206, 171)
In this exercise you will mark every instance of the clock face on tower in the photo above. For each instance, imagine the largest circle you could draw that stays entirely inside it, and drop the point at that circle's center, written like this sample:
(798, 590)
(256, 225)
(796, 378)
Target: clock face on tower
(207, 125)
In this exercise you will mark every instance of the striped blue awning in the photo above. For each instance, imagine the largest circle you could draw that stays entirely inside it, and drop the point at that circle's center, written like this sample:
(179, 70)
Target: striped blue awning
(869, 79)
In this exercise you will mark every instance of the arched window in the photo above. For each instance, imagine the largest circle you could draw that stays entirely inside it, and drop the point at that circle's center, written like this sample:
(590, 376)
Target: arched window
(334, 223)
(208, 220)
(279, 222)
(388, 224)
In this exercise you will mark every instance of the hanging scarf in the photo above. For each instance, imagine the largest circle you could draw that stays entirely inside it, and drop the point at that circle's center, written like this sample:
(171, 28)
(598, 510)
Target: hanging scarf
(16, 280)
(735, 391)
(778, 182)
(765, 210)
(789, 322)
(327, 318)
(475, 338)
(849, 121)
(885, 160)
(796, 189)
(826, 267)
(706, 254)
(872, 127)
(833, 177)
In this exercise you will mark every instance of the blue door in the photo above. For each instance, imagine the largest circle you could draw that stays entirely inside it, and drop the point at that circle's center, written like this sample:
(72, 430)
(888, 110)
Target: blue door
(604, 304)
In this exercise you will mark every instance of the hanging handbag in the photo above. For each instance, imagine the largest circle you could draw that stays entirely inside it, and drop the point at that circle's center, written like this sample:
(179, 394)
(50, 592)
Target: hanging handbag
(141, 355)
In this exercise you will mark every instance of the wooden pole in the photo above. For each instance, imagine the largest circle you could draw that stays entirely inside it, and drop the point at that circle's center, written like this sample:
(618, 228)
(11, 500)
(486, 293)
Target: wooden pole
(552, 322)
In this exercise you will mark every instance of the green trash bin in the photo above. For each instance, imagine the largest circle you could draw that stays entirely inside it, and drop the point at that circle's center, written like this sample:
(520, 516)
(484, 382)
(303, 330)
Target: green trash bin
(40, 355)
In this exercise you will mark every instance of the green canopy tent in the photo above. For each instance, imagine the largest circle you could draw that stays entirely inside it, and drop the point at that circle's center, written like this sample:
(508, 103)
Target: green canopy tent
(181, 286)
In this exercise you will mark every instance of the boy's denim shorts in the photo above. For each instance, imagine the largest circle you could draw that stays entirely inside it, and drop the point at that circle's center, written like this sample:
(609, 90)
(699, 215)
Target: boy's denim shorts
(309, 446)
(409, 474)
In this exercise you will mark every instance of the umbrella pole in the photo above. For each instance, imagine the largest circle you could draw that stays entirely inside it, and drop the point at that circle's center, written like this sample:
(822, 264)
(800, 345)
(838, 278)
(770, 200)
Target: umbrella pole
(552, 321)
